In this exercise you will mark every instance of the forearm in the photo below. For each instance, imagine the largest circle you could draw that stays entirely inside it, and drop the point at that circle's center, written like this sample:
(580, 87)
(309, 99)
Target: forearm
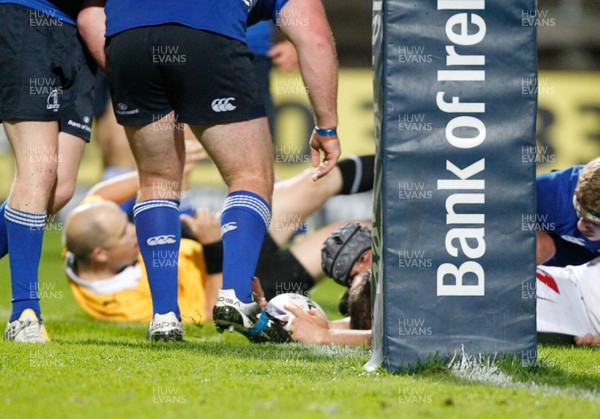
(340, 324)
(317, 58)
(118, 189)
(348, 337)
(91, 23)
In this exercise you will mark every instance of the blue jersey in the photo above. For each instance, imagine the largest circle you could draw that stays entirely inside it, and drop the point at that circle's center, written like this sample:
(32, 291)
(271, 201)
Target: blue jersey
(555, 211)
(224, 17)
(260, 38)
(64, 10)
(265, 10)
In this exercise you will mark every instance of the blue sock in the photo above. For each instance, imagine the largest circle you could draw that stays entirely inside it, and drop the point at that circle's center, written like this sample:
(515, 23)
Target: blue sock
(244, 223)
(25, 234)
(159, 234)
(3, 233)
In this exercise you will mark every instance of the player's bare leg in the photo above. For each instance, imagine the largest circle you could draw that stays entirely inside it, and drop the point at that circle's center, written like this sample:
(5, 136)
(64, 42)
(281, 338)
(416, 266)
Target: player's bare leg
(159, 151)
(296, 198)
(35, 145)
(70, 152)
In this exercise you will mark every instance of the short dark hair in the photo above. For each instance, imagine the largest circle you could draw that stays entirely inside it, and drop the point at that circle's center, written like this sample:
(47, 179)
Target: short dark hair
(359, 302)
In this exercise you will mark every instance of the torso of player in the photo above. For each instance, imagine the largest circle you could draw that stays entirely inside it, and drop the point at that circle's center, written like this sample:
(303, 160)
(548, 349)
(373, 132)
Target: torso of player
(64, 10)
(555, 211)
(225, 17)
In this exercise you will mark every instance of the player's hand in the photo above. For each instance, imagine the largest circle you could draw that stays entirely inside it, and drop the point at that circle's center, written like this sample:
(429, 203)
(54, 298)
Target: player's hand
(308, 328)
(330, 146)
(205, 225)
(284, 56)
(587, 340)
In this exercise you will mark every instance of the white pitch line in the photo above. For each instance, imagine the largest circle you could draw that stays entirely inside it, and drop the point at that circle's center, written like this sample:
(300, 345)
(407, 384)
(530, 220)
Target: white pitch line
(477, 369)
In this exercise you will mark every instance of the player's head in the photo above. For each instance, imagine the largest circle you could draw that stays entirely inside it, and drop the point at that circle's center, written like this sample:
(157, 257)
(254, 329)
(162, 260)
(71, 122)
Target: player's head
(99, 233)
(359, 302)
(346, 253)
(587, 200)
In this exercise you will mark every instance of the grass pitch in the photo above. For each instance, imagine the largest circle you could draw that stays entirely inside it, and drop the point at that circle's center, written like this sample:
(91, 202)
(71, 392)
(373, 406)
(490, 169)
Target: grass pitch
(97, 369)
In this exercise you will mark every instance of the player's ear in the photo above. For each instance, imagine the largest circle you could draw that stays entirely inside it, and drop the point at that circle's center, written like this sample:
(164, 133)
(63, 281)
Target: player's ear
(98, 255)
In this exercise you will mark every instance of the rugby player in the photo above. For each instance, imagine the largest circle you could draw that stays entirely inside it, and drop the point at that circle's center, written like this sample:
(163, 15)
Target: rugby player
(109, 280)
(46, 89)
(566, 296)
(176, 62)
(568, 215)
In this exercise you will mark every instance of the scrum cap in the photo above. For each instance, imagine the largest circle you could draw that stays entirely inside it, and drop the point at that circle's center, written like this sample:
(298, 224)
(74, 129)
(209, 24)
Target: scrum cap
(342, 249)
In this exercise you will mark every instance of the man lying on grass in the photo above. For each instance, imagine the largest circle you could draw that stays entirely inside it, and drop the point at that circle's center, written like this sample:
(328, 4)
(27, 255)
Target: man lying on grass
(567, 297)
(108, 278)
(106, 273)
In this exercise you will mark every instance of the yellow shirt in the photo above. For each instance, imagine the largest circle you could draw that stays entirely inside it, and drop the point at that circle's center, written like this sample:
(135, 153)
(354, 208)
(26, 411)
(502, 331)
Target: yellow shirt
(126, 297)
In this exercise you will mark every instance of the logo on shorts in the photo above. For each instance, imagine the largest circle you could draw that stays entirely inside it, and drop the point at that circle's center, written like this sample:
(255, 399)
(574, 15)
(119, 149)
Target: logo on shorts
(52, 101)
(223, 104)
(228, 227)
(158, 240)
(122, 110)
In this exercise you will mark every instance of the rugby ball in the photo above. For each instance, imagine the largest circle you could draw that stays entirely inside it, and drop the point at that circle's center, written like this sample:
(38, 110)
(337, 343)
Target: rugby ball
(276, 307)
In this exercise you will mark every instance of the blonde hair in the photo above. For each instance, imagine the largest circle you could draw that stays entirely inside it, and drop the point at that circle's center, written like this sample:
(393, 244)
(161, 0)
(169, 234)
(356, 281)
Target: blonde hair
(587, 192)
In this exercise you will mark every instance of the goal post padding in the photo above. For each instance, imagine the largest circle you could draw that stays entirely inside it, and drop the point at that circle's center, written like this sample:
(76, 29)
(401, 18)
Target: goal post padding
(455, 85)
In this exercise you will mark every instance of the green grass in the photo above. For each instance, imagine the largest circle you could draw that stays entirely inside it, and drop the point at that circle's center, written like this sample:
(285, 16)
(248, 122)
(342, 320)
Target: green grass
(96, 369)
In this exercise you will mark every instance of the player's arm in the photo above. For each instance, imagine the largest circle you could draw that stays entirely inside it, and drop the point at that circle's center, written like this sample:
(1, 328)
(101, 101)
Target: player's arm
(340, 324)
(587, 340)
(91, 24)
(118, 189)
(318, 65)
(284, 56)
(545, 247)
(309, 329)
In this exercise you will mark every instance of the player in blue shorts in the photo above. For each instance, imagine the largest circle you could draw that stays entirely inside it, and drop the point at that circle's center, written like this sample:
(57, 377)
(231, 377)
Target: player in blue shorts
(46, 88)
(568, 215)
(174, 62)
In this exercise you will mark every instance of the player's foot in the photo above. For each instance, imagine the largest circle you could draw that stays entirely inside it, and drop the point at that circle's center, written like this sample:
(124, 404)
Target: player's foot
(165, 327)
(27, 328)
(248, 319)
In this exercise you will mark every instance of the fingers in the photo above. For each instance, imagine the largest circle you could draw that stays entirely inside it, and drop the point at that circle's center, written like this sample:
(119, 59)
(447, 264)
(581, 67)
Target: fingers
(322, 170)
(187, 219)
(315, 157)
(294, 309)
(315, 313)
(587, 340)
(330, 146)
(206, 226)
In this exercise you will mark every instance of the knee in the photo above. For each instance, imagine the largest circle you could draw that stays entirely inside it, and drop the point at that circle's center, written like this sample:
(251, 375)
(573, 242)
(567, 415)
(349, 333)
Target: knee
(62, 195)
(39, 178)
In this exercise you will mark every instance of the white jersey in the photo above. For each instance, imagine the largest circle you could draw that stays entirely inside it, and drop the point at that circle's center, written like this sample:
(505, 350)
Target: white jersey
(568, 299)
